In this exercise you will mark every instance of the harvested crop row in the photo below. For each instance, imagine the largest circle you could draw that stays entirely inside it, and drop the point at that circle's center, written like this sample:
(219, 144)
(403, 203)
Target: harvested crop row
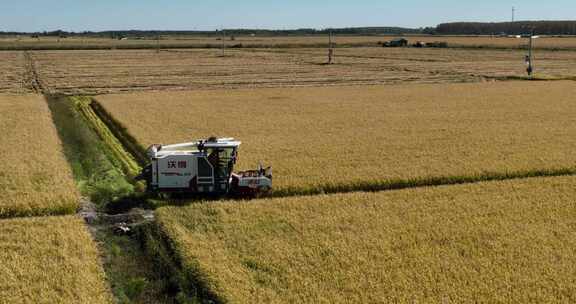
(509, 241)
(451, 63)
(12, 73)
(100, 72)
(50, 260)
(352, 138)
(35, 178)
(274, 41)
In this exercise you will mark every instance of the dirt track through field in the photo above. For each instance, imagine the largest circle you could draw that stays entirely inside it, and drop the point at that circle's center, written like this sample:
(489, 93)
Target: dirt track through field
(31, 78)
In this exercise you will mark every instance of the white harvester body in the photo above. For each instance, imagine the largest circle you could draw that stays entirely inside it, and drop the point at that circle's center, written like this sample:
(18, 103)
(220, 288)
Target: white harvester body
(202, 167)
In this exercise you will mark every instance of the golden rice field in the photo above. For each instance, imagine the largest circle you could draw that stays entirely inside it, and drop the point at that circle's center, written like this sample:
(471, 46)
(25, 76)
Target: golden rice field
(369, 137)
(498, 242)
(117, 71)
(50, 260)
(378, 119)
(35, 177)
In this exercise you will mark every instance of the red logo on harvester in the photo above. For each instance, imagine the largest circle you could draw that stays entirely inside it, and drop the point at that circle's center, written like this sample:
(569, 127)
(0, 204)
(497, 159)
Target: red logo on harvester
(182, 164)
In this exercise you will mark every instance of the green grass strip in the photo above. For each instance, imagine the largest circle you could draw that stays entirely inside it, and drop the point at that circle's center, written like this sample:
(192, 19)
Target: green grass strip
(130, 144)
(97, 169)
(188, 283)
(129, 163)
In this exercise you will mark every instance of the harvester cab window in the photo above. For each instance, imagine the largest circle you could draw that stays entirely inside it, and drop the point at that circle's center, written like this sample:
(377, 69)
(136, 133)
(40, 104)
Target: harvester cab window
(222, 160)
(204, 168)
(212, 156)
(227, 154)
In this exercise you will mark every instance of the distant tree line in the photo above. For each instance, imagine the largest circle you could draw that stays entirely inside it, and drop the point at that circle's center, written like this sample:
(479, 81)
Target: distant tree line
(455, 28)
(509, 28)
(342, 31)
(239, 32)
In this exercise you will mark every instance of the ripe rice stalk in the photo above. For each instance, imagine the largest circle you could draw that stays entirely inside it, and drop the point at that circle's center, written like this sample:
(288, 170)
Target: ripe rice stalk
(35, 178)
(509, 241)
(371, 138)
(50, 260)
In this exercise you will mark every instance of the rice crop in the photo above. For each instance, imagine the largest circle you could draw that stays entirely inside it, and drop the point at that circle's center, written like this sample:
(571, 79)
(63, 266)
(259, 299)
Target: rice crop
(50, 260)
(35, 178)
(371, 138)
(493, 242)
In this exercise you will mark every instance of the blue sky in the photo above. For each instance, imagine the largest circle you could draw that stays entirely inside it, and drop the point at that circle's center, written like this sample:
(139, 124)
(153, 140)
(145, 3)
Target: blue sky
(78, 15)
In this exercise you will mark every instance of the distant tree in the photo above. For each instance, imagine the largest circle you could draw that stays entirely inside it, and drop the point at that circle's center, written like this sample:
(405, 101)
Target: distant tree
(511, 28)
(429, 30)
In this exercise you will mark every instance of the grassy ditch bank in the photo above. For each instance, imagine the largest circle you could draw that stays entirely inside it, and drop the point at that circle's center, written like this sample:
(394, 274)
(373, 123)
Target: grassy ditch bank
(119, 134)
(97, 166)
(99, 124)
(188, 285)
(133, 275)
(104, 173)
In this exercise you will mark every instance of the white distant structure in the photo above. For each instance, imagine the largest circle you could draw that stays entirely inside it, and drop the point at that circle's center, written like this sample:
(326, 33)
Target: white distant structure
(529, 59)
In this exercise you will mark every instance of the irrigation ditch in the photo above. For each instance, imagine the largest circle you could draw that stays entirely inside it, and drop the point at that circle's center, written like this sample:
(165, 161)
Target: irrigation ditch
(102, 173)
(140, 261)
(104, 163)
(139, 258)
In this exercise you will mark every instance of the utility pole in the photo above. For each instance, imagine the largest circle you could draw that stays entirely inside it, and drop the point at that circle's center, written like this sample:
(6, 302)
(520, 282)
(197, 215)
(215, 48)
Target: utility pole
(330, 48)
(529, 58)
(513, 13)
(223, 38)
(157, 42)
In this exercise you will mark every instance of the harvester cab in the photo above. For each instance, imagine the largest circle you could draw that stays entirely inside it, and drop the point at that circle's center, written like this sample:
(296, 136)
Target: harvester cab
(202, 167)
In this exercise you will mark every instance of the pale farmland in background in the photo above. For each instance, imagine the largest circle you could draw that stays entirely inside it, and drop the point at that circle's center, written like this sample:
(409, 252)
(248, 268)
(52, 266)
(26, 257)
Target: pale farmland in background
(114, 71)
(12, 73)
(198, 41)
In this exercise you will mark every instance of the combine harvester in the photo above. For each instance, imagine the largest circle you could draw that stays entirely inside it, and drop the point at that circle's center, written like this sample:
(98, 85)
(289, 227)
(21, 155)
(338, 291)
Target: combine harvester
(203, 168)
